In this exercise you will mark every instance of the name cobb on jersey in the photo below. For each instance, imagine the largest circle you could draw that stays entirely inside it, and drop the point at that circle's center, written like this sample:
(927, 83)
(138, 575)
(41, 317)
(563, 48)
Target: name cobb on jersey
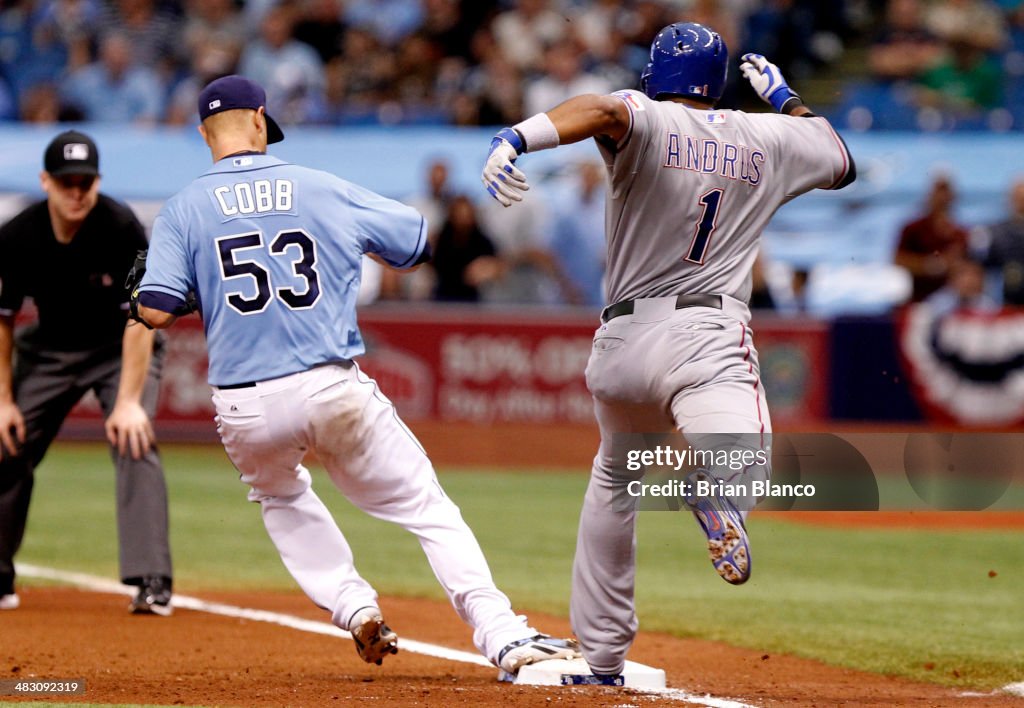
(710, 156)
(261, 196)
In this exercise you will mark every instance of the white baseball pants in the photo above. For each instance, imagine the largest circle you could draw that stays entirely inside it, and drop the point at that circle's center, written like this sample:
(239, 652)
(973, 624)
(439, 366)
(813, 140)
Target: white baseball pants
(339, 413)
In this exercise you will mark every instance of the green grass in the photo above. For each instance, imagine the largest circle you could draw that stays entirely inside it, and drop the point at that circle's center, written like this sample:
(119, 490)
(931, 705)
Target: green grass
(885, 601)
(880, 600)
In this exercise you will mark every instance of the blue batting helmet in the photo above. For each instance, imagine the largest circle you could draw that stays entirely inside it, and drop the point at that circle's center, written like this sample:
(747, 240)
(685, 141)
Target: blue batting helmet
(687, 59)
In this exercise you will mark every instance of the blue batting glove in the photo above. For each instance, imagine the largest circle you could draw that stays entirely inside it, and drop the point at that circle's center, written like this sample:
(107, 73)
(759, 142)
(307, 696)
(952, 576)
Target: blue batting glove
(767, 81)
(502, 179)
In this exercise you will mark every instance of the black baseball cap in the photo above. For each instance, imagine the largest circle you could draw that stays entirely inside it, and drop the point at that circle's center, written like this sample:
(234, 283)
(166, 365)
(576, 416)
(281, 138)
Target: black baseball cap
(232, 92)
(71, 153)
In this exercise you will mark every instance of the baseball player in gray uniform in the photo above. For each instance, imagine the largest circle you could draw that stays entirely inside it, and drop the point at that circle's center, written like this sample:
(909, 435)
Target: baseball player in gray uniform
(690, 190)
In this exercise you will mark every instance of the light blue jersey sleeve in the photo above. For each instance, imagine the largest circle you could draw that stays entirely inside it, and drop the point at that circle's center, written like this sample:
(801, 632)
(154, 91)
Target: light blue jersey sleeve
(169, 264)
(395, 232)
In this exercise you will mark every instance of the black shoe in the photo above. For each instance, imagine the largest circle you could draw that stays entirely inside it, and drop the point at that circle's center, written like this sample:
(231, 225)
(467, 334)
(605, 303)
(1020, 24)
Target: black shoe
(153, 598)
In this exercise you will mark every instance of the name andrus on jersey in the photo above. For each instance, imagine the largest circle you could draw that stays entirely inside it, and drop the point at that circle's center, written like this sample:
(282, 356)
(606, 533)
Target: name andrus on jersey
(710, 156)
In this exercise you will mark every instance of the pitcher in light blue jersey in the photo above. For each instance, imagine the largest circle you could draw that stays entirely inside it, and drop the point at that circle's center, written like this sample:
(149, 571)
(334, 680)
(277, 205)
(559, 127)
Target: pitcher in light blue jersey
(271, 252)
(275, 252)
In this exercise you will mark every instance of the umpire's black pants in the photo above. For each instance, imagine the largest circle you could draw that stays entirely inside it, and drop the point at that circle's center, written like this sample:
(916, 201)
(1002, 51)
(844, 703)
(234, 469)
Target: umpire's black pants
(47, 385)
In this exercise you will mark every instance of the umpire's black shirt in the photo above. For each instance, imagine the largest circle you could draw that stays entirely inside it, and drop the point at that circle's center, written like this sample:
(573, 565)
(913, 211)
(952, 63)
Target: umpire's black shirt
(78, 287)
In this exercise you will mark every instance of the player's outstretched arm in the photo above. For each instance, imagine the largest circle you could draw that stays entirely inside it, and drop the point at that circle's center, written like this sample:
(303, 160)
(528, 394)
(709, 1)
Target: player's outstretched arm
(590, 116)
(579, 118)
(768, 82)
(770, 85)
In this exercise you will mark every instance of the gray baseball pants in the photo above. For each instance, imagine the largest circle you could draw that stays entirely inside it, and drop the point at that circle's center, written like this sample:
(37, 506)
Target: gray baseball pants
(660, 369)
(47, 385)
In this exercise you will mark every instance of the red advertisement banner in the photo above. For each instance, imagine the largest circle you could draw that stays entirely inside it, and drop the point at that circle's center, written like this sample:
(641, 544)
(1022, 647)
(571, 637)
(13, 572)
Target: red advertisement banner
(489, 367)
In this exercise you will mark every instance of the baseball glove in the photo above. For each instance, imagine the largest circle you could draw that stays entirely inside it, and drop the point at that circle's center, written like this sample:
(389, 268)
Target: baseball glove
(132, 283)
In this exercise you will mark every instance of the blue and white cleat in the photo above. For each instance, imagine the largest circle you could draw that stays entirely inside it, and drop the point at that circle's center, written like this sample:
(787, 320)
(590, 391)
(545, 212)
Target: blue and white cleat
(539, 647)
(728, 545)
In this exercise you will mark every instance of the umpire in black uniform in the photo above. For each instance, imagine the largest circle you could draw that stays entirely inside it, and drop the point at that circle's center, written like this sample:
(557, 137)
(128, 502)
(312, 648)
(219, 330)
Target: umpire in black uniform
(71, 254)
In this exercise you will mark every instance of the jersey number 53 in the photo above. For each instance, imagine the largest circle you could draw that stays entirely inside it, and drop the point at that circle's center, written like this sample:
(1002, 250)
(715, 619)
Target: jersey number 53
(234, 265)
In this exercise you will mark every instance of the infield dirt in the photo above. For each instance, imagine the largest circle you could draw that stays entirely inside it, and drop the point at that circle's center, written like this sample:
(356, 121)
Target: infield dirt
(195, 658)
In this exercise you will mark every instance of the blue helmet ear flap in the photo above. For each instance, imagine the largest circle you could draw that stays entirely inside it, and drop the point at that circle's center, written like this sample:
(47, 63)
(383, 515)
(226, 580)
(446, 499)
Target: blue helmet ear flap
(645, 78)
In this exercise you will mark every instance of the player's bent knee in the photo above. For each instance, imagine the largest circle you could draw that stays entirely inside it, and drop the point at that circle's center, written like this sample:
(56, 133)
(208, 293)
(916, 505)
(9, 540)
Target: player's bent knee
(262, 489)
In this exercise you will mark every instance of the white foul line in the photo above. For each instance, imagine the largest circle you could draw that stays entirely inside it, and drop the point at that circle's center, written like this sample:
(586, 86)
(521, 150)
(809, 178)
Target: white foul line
(97, 584)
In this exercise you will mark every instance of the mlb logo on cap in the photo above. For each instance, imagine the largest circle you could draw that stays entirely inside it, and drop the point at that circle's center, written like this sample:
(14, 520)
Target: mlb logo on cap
(71, 153)
(76, 151)
(235, 92)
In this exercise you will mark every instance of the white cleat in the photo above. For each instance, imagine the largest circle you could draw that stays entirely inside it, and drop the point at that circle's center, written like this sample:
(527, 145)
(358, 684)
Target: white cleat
(539, 647)
(10, 602)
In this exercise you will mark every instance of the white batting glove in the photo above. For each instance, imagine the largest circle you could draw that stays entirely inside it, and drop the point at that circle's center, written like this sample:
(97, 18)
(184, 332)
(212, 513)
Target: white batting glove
(503, 180)
(767, 81)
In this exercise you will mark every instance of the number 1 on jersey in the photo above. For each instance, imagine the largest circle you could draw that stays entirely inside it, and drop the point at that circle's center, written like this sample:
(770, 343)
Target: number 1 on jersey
(706, 226)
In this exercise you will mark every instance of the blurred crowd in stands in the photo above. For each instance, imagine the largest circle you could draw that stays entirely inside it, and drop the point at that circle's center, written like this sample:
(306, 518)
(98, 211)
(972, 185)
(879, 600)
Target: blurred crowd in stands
(956, 267)
(921, 64)
(467, 62)
(484, 62)
(943, 64)
(544, 251)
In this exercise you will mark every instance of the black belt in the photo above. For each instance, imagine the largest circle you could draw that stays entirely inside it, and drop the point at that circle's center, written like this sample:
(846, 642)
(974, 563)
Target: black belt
(345, 363)
(626, 306)
(246, 384)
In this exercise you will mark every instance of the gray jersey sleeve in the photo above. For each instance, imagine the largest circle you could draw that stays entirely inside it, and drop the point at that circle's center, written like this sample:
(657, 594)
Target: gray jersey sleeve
(640, 118)
(810, 154)
(625, 159)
